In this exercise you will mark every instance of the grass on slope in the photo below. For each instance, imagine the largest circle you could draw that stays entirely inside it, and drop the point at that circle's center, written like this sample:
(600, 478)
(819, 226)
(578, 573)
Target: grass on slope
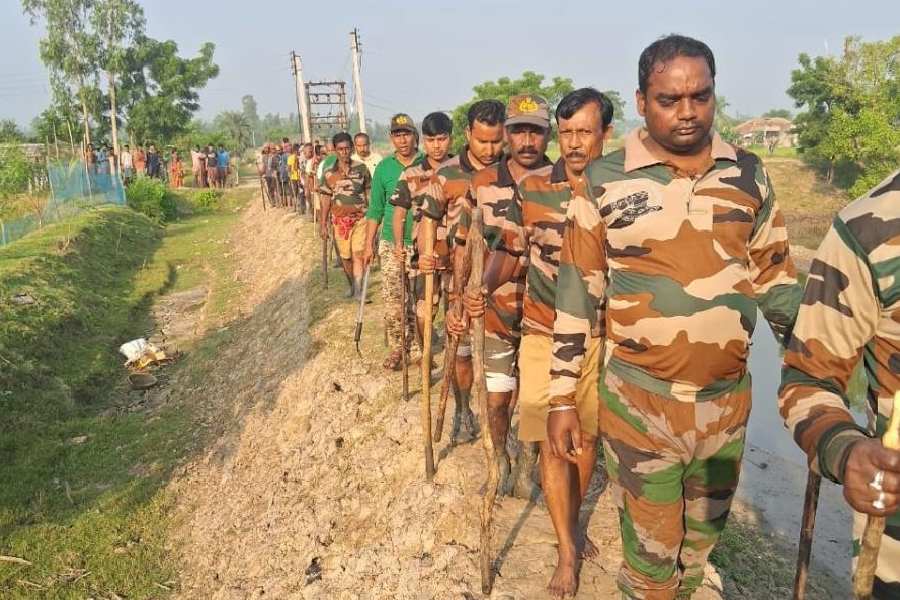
(80, 477)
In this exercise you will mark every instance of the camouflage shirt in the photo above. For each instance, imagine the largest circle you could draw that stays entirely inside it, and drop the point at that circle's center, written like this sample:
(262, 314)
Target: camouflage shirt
(348, 192)
(850, 309)
(684, 263)
(450, 197)
(418, 184)
(534, 231)
(498, 194)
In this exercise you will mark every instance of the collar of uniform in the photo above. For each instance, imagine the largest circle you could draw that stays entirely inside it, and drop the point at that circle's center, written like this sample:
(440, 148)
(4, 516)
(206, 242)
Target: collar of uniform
(505, 178)
(417, 159)
(638, 156)
(464, 161)
(426, 162)
(558, 174)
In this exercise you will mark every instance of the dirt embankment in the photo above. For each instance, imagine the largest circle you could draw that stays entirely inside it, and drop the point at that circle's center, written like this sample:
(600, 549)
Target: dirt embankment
(315, 488)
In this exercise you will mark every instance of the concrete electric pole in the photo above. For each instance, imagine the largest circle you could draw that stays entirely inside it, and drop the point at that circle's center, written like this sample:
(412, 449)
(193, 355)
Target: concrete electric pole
(357, 82)
(302, 99)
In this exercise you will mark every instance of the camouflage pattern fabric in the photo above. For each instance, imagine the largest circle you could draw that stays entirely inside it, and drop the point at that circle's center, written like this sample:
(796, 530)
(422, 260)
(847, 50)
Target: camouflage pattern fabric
(392, 295)
(850, 311)
(673, 469)
(450, 198)
(348, 192)
(418, 184)
(496, 193)
(684, 263)
(534, 230)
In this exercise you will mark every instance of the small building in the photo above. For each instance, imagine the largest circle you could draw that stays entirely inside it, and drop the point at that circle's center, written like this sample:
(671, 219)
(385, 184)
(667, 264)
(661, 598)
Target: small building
(765, 131)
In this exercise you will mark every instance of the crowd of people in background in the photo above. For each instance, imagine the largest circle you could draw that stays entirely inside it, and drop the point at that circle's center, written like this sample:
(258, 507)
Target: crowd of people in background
(210, 166)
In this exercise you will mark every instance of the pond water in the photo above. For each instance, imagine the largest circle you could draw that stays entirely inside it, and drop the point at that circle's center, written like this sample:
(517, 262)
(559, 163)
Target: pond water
(773, 479)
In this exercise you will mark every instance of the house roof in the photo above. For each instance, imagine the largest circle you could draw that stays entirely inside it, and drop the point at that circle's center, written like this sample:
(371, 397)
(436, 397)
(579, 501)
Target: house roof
(764, 124)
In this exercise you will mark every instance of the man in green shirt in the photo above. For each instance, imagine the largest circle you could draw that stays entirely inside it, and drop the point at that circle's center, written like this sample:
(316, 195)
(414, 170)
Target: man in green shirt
(405, 139)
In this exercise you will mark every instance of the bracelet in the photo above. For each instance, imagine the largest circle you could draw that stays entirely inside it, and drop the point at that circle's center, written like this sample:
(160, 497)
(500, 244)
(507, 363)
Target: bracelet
(562, 408)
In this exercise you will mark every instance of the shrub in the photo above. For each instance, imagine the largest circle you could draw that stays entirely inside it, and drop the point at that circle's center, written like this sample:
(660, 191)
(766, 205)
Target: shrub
(151, 197)
(207, 199)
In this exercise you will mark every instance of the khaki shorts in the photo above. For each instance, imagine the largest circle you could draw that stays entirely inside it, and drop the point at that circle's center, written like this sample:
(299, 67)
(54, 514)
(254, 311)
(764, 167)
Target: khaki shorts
(535, 352)
(353, 244)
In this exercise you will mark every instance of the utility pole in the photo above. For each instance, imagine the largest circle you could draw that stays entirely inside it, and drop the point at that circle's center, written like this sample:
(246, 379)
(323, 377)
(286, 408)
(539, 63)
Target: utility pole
(357, 82)
(302, 99)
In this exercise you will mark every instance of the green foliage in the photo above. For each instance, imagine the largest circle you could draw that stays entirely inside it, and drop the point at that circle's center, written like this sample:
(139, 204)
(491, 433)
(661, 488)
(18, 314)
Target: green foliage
(850, 123)
(9, 132)
(158, 89)
(724, 123)
(778, 112)
(237, 126)
(207, 199)
(502, 89)
(151, 197)
(15, 171)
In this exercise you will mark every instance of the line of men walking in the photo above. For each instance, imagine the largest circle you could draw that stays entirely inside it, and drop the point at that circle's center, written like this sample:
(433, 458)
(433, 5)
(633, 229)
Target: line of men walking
(621, 293)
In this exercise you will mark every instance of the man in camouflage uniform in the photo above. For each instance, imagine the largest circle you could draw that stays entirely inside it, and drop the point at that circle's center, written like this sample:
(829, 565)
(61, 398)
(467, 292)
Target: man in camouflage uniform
(444, 205)
(416, 182)
(345, 196)
(532, 232)
(682, 237)
(851, 309)
(495, 191)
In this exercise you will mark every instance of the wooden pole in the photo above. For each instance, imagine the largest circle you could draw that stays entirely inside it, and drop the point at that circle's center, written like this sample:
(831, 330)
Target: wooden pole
(427, 248)
(810, 504)
(459, 285)
(404, 324)
(477, 249)
(871, 539)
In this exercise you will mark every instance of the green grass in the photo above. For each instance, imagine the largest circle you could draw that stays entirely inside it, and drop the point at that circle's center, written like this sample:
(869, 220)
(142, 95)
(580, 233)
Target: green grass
(81, 479)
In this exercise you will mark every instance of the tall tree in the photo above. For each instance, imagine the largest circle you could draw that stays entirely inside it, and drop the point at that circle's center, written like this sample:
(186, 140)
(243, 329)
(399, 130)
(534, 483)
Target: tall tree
(250, 111)
(70, 48)
(159, 89)
(10, 132)
(781, 113)
(237, 126)
(117, 23)
(851, 111)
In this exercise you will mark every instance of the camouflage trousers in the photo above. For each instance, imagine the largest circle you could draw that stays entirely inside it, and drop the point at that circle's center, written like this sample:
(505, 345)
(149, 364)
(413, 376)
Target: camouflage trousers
(673, 469)
(887, 573)
(392, 295)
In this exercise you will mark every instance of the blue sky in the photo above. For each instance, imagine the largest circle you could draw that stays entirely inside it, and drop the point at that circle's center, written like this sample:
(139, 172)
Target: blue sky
(423, 56)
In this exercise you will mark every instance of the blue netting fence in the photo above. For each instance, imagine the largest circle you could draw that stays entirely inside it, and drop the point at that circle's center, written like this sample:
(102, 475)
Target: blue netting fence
(70, 188)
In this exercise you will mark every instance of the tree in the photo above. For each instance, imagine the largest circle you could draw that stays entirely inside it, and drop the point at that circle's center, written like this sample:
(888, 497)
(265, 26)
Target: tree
(10, 132)
(117, 23)
(237, 127)
(159, 89)
(850, 122)
(502, 89)
(781, 113)
(723, 122)
(69, 47)
(250, 112)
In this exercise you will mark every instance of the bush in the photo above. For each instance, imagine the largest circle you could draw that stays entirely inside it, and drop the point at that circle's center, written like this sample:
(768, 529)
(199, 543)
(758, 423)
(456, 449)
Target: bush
(151, 197)
(207, 199)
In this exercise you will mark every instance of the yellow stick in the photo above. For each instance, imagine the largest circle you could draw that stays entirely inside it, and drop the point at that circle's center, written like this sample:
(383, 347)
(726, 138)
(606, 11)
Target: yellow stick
(871, 540)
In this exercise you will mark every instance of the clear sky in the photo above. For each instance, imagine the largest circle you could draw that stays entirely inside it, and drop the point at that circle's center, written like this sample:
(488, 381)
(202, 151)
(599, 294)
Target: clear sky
(425, 55)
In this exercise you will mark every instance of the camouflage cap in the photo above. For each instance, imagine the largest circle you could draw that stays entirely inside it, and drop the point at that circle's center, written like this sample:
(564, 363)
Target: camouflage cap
(402, 122)
(528, 108)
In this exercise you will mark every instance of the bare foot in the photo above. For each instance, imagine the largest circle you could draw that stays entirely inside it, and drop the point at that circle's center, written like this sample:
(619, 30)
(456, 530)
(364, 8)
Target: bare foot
(589, 551)
(564, 582)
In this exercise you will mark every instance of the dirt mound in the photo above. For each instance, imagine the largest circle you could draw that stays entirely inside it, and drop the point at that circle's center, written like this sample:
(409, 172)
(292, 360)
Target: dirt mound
(315, 488)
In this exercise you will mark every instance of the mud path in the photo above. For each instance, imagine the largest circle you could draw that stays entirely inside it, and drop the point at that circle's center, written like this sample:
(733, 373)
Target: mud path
(314, 487)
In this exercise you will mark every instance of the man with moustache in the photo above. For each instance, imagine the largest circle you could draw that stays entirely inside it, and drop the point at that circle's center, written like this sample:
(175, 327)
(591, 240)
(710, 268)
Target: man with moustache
(445, 206)
(532, 231)
(683, 239)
